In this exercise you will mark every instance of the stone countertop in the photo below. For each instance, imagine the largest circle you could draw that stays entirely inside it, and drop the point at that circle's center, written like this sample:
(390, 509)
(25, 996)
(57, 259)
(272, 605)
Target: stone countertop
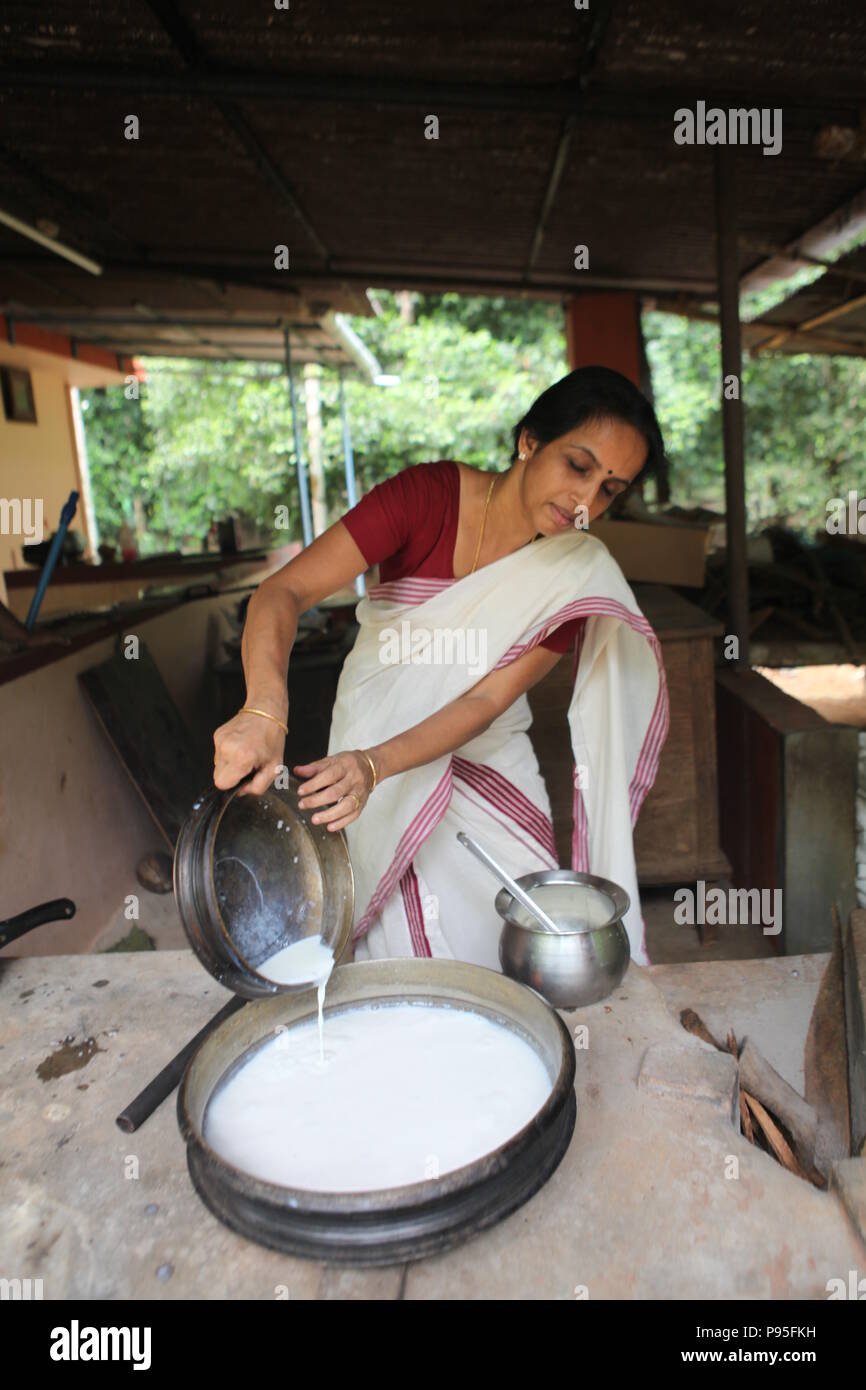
(643, 1205)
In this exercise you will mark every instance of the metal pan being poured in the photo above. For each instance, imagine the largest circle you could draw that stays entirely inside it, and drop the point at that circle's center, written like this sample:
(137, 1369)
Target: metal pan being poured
(265, 896)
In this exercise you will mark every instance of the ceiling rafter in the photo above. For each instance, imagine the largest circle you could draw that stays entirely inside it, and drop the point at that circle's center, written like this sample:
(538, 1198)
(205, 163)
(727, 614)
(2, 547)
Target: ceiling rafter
(80, 208)
(609, 102)
(187, 45)
(601, 16)
(408, 276)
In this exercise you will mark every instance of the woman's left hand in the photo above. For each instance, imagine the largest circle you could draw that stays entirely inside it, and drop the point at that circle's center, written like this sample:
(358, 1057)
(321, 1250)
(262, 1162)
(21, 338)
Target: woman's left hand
(341, 783)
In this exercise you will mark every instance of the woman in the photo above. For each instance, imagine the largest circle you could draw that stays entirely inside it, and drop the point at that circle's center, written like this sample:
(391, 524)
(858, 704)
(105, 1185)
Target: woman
(485, 580)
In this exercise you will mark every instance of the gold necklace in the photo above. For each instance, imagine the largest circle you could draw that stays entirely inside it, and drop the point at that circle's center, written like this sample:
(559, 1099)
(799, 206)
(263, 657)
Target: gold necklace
(483, 523)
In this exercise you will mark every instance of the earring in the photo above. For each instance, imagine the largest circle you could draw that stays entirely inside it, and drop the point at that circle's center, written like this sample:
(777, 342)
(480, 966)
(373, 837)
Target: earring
(523, 456)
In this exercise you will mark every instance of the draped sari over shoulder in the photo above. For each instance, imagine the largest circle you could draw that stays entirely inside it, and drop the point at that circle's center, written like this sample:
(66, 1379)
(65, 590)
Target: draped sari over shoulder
(423, 643)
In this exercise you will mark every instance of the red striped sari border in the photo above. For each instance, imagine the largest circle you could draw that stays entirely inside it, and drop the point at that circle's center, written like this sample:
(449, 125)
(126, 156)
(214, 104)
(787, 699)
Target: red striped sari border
(409, 590)
(653, 741)
(414, 913)
(421, 825)
(507, 798)
(531, 845)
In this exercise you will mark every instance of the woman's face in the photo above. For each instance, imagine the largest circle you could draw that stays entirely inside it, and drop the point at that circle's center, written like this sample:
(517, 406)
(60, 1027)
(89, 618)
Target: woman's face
(585, 468)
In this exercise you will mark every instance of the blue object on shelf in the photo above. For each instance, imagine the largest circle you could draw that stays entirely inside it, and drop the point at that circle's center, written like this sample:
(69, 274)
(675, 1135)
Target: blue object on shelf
(66, 516)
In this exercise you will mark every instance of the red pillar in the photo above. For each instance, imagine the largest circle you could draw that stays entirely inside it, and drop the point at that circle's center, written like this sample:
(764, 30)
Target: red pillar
(603, 330)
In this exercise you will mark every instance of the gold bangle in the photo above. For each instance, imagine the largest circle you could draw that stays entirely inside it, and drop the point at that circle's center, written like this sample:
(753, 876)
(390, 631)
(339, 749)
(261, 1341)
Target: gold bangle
(372, 768)
(248, 709)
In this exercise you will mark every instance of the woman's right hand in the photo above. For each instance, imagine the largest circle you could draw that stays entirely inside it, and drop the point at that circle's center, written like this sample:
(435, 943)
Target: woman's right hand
(248, 743)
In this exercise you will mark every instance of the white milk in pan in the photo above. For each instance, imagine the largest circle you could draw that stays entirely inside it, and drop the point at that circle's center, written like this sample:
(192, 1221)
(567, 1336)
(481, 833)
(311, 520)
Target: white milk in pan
(407, 1092)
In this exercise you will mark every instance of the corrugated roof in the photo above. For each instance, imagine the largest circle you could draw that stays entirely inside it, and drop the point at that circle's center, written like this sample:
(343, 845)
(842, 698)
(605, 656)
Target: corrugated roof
(306, 127)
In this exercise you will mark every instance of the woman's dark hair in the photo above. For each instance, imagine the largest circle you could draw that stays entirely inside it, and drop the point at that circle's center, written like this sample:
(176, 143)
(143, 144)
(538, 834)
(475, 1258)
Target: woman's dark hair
(594, 393)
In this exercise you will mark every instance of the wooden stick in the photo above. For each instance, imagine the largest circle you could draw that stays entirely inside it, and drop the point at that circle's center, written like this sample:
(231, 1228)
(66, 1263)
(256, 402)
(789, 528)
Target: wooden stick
(746, 1120)
(774, 1136)
(796, 1115)
(761, 1080)
(780, 1146)
(693, 1023)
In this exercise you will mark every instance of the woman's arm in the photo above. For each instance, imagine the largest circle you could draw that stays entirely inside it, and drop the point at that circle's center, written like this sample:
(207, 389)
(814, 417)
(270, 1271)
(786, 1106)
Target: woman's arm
(247, 741)
(347, 774)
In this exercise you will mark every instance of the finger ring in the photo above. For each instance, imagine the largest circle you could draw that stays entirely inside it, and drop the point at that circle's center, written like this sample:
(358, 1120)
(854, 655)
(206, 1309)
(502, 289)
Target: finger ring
(357, 800)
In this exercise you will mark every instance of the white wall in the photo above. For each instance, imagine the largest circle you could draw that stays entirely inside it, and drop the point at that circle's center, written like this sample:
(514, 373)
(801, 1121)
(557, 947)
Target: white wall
(39, 460)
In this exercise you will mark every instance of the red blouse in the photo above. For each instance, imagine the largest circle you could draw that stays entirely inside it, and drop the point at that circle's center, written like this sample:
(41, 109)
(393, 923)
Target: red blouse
(408, 526)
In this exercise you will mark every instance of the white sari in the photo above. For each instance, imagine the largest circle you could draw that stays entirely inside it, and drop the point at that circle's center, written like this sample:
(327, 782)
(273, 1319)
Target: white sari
(417, 890)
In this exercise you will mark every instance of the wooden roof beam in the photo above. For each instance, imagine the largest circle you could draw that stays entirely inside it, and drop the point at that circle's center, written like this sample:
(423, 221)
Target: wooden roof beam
(687, 309)
(838, 268)
(840, 226)
(407, 276)
(838, 311)
(801, 106)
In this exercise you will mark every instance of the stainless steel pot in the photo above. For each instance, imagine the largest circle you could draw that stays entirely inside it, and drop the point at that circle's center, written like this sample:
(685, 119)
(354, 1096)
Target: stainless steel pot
(398, 1224)
(253, 874)
(587, 958)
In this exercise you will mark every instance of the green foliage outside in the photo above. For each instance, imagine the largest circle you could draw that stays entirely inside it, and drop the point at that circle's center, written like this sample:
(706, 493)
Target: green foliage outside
(210, 440)
(804, 424)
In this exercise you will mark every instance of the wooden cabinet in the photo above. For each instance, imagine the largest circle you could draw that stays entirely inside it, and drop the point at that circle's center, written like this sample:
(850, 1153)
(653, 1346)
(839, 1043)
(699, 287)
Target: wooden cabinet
(788, 789)
(677, 834)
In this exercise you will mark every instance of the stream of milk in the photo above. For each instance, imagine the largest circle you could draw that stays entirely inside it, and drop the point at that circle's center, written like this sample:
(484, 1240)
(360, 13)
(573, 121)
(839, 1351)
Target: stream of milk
(308, 961)
(406, 1092)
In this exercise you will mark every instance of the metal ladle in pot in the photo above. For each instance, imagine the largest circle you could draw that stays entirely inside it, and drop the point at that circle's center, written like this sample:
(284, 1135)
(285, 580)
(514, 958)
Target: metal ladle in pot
(518, 893)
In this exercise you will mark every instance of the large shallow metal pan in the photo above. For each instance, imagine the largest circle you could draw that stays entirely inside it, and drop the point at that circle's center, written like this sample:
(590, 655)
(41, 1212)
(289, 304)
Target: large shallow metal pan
(397, 1224)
